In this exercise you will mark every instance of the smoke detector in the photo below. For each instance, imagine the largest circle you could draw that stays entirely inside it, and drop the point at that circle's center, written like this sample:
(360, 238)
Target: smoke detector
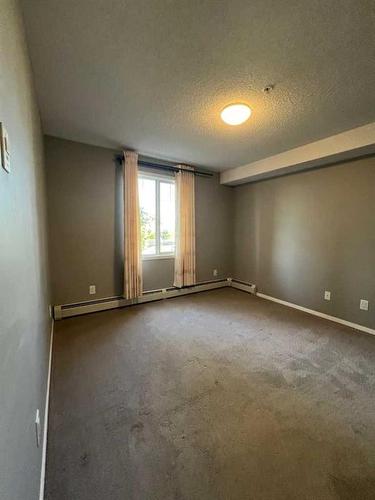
(268, 88)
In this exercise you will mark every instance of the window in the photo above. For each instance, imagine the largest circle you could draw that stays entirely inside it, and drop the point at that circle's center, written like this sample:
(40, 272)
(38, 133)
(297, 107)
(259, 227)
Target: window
(157, 207)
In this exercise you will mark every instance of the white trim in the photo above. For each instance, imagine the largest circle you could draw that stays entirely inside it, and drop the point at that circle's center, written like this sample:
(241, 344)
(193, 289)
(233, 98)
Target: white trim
(158, 179)
(347, 145)
(319, 314)
(45, 423)
(156, 175)
(160, 256)
(67, 311)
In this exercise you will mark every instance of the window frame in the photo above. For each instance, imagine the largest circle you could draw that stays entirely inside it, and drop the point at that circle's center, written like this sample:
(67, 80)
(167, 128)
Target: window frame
(158, 178)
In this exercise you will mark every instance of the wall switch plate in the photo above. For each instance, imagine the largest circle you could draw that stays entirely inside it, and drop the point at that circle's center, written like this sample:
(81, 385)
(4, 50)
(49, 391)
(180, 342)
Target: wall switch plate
(363, 305)
(37, 428)
(327, 295)
(5, 149)
(92, 289)
(214, 272)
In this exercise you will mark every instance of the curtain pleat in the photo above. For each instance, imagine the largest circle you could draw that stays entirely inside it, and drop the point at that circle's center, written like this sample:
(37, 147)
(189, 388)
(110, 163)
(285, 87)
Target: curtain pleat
(132, 229)
(184, 272)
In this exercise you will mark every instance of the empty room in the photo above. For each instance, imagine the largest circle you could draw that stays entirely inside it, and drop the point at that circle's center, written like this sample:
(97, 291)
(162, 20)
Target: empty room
(187, 250)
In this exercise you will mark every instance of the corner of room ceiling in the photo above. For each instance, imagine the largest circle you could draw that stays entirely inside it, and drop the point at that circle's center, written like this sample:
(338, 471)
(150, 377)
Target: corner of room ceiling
(350, 144)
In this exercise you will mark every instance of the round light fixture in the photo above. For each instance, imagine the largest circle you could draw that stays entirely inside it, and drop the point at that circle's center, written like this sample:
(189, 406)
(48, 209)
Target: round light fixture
(235, 114)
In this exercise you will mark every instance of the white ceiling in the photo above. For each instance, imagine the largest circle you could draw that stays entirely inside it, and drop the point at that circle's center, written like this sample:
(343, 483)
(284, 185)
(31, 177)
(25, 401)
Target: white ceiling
(154, 75)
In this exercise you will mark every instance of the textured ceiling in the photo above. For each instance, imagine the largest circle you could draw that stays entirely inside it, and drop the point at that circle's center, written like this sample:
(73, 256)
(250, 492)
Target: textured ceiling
(154, 74)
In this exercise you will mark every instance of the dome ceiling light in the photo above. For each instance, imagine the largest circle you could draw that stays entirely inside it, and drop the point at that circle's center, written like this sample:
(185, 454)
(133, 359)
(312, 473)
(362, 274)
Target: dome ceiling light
(235, 114)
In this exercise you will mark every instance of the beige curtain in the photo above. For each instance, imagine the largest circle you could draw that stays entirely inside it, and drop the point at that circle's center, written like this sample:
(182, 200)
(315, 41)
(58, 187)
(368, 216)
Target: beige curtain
(184, 270)
(132, 229)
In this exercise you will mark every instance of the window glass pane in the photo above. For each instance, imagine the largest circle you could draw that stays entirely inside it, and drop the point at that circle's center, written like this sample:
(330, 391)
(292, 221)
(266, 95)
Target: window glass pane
(167, 217)
(147, 206)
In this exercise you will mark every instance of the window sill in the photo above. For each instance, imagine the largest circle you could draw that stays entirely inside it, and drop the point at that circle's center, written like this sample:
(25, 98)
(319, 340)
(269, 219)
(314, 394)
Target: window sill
(158, 257)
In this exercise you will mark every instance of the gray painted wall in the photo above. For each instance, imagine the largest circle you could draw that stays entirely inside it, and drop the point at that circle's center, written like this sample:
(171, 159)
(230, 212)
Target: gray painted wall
(85, 206)
(24, 321)
(294, 236)
(299, 235)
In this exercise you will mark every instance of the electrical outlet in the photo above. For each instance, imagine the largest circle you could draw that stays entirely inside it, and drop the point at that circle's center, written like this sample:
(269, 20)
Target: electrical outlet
(214, 272)
(363, 305)
(327, 295)
(37, 428)
(92, 289)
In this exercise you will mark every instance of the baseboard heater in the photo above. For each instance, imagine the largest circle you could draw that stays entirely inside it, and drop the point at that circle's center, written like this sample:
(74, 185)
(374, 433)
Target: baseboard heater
(68, 310)
(76, 309)
(244, 286)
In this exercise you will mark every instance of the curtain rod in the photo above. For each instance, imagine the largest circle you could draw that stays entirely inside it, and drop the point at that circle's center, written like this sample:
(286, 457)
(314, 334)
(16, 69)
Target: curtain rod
(160, 166)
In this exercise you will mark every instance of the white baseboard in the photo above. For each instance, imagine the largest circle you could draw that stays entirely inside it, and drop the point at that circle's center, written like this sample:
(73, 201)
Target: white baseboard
(319, 314)
(45, 422)
(69, 310)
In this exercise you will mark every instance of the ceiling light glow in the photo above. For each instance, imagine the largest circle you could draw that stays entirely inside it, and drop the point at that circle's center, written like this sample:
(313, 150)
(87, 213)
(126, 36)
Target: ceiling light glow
(235, 114)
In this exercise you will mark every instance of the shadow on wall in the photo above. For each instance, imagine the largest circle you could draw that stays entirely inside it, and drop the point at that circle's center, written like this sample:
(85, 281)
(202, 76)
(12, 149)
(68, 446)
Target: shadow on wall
(291, 239)
(299, 235)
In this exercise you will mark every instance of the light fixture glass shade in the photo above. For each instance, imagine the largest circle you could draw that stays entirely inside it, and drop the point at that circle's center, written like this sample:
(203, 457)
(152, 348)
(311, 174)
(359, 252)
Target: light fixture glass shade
(235, 114)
